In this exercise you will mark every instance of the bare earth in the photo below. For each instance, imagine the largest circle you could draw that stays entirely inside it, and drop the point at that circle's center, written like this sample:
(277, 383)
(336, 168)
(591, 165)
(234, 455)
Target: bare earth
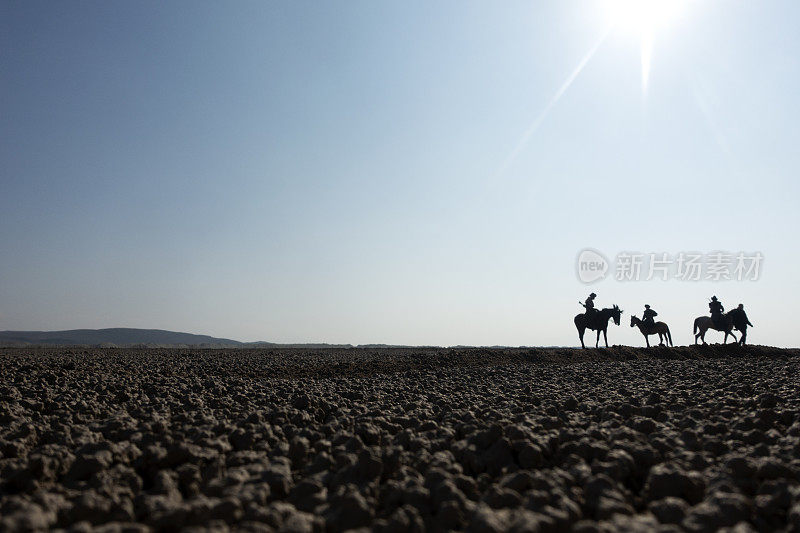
(690, 438)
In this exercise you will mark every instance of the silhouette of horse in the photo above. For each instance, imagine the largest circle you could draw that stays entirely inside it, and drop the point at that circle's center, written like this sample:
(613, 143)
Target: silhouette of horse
(704, 323)
(660, 327)
(599, 323)
(740, 322)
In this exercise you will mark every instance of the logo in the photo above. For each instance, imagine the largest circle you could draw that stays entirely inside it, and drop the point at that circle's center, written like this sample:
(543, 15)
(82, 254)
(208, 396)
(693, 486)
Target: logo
(592, 266)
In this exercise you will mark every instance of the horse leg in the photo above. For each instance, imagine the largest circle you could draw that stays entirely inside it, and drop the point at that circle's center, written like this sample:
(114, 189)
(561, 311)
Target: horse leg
(605, 337)
(597, 343)
(661, 339)
(725, 339)
(580, 336)
(647, 340)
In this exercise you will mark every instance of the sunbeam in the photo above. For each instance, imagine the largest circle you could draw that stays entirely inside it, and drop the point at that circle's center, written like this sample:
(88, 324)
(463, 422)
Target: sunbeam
(526, 136)
(643, 18)
(647, 55)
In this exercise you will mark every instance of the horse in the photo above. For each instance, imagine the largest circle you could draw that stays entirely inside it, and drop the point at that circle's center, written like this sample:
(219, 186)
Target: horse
(599, 323)
(660, 327)
(704, 323)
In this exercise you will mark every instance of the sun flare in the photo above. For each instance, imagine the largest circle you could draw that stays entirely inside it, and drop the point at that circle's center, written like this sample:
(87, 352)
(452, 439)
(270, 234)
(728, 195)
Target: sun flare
(643, 18)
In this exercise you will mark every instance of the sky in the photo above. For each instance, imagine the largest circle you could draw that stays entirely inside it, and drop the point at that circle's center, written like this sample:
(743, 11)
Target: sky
(392, 172)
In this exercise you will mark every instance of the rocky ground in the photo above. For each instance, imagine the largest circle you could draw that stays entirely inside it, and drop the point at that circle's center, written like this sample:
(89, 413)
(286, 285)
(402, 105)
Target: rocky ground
(690, 438)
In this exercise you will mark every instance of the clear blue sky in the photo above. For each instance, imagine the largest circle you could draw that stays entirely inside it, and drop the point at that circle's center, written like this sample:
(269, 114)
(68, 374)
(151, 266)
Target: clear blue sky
(359, 171)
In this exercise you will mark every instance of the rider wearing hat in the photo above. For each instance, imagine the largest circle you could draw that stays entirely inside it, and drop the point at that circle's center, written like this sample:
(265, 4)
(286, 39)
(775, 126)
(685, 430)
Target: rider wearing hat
(715, 306)
(589, 306)
(648, 316)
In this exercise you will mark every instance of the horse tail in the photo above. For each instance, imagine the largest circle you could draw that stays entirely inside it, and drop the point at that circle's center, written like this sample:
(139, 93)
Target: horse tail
(695, 326)
(669, 335)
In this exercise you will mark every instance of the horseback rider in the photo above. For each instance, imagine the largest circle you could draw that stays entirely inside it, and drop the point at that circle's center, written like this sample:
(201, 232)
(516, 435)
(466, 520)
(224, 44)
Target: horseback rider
(591, 312)
(648, 316)
(742, 314)
(715, 306)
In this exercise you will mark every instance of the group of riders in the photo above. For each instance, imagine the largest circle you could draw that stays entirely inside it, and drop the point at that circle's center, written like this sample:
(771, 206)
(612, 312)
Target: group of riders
(648, 320)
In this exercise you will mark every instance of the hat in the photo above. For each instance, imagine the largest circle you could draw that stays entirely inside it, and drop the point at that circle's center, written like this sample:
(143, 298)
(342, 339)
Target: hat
(714, 298)
(646, 306)
(593, 295)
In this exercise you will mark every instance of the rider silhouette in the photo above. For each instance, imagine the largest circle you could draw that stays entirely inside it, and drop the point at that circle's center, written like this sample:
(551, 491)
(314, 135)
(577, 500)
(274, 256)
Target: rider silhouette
(648, 316)
(590, 310)
(715, 306)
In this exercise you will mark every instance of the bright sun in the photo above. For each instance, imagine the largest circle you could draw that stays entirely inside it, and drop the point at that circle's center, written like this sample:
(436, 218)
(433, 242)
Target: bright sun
(643, 18)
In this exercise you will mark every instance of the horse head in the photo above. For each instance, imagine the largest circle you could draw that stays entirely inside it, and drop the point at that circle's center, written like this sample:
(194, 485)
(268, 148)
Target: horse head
(616, 313)
(634, 320)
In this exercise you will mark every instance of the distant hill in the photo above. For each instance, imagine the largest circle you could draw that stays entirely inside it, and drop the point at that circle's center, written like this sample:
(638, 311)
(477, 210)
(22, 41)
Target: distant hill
(305, 345)
(126, 337)
(113, 336)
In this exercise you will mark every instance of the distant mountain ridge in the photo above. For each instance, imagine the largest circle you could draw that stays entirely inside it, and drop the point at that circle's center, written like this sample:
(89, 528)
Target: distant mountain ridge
(125, 337)
(130, 337)
(114, 336)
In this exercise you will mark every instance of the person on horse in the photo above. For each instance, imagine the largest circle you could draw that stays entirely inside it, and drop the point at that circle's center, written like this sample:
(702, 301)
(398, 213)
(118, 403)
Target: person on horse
(715, 306)
(648, 316)
(590, 310)
(743, 315)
